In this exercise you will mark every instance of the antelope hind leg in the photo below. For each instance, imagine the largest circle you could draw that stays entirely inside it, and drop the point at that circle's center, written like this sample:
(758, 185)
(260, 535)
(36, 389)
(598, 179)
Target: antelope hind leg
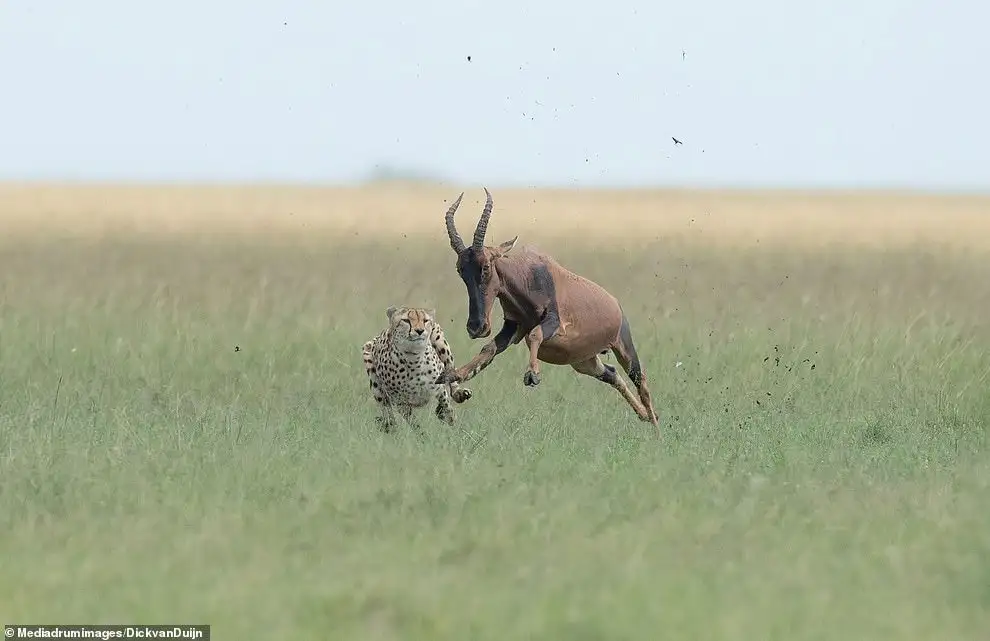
(595, 368)
(625, 353)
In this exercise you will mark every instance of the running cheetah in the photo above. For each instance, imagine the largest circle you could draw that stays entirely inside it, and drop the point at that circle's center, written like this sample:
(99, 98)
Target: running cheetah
(403, 362)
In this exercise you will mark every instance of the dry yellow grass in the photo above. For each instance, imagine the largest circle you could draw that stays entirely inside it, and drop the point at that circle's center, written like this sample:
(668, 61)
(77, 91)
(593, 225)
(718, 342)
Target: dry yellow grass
(709, 217)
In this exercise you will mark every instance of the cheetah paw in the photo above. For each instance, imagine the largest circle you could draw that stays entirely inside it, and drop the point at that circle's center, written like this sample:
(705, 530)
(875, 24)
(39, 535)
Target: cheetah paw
(461, 394)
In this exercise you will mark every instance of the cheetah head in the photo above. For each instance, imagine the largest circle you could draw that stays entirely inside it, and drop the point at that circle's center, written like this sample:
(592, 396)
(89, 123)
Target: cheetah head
(410, 325)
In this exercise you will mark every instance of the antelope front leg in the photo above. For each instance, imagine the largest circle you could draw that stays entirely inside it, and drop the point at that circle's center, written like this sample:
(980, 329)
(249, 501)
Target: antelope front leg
(506, 336)
(533, 341)
(546, 330)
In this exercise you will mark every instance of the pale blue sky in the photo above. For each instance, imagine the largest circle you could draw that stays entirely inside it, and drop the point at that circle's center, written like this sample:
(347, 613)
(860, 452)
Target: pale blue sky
(769, 92)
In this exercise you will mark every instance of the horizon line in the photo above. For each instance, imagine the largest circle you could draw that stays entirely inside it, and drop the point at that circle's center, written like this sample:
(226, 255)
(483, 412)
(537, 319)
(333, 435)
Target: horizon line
(730, 187)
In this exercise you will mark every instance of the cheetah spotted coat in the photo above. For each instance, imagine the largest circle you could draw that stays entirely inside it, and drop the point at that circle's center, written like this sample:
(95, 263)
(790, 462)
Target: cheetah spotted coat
(403, 363)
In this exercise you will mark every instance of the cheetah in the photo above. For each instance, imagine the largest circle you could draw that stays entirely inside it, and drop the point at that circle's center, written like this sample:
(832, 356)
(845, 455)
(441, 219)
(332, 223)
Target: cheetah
(403, 363)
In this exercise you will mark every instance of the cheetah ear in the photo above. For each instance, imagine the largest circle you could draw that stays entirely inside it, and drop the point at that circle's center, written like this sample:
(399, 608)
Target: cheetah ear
(432, 313)
(390, 312)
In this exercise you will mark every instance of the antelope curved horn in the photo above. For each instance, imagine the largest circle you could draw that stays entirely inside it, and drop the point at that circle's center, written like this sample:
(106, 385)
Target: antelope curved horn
(479, 233)
(455, 239)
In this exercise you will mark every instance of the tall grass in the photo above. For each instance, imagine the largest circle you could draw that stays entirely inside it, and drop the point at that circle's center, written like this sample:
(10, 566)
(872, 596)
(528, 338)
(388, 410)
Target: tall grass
(823, 471)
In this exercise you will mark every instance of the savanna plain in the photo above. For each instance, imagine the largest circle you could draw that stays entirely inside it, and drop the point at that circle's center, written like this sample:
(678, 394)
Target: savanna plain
(187, 433)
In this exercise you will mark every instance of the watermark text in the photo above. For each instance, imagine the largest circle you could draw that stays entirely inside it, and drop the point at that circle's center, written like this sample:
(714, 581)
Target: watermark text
(107, 632)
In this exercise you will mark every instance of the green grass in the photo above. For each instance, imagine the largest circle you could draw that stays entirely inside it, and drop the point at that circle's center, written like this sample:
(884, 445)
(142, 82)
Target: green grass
(823, 471)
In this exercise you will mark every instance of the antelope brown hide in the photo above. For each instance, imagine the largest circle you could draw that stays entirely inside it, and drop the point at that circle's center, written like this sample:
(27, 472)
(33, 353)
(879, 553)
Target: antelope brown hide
(565, 318)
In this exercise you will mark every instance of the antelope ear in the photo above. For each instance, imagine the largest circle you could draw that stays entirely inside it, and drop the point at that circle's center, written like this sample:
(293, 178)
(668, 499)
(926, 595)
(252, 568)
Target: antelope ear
(507, 246)
(390, 312)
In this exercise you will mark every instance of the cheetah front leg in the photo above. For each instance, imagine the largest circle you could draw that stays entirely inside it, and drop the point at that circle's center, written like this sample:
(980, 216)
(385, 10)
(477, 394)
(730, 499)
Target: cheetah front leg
(459, 394)
(456, 392)
(407, 413)
(386, 420)
(444, 409)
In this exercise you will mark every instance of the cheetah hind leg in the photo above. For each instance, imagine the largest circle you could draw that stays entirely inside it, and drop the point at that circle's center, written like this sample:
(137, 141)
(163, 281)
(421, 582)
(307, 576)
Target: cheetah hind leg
(386, 417)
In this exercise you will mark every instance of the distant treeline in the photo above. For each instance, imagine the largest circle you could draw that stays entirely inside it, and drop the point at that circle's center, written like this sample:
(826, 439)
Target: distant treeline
(384, 172)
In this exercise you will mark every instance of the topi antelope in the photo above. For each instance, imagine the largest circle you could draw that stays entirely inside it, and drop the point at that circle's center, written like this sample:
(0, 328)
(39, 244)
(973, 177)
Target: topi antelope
(566, 319)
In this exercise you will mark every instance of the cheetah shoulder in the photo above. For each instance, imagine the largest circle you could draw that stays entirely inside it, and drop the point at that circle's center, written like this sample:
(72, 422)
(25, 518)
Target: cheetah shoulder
(372, 349)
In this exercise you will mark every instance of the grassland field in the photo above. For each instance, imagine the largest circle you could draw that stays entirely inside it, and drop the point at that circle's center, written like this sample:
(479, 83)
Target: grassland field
(820, 364)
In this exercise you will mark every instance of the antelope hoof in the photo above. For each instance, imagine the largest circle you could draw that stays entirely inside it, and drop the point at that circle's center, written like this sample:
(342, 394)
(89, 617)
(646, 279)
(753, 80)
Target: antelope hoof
(531, 379)
(650, 417)
(461, 394)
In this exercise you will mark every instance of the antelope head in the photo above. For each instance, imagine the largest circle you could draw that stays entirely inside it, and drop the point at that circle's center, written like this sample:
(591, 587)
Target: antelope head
(477, 266)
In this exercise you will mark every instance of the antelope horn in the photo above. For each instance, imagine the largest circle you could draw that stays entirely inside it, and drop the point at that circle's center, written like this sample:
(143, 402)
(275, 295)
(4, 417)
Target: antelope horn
(479, 233)
(455, 239)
